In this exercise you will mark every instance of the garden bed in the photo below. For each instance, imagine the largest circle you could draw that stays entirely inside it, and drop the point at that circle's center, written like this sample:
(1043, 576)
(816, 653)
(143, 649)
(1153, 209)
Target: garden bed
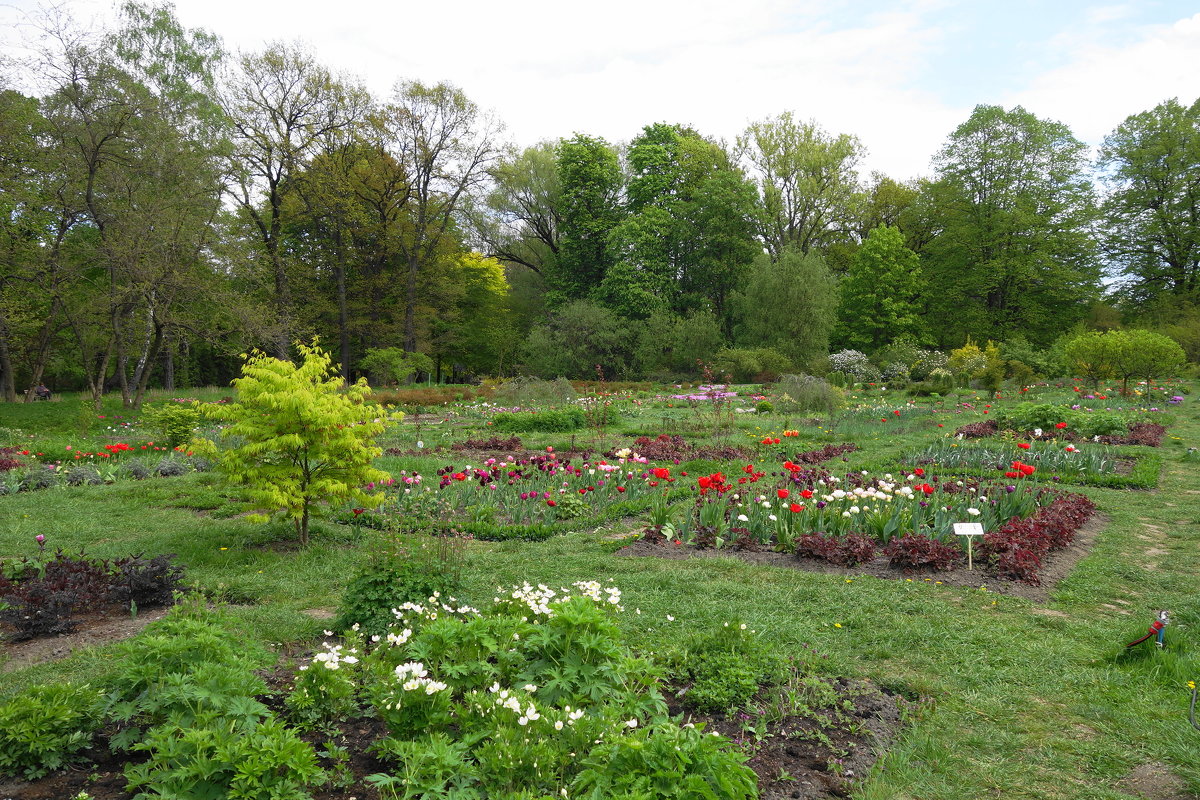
(1055, 566)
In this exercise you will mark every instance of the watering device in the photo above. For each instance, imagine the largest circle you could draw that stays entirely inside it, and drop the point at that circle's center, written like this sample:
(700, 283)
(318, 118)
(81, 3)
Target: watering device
(1157, 630)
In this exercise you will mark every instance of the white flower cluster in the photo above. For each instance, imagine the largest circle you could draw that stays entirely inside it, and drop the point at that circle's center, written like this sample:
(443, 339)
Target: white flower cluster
(432, 607)
(539, 599)
(414, 677)
(334, 656)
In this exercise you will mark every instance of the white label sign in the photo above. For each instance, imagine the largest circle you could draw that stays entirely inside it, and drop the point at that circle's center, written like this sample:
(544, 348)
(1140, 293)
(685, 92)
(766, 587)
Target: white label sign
(968, 529)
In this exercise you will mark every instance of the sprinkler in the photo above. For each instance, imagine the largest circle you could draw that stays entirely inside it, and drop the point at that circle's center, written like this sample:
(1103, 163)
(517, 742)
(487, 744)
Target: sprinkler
(1157, 630)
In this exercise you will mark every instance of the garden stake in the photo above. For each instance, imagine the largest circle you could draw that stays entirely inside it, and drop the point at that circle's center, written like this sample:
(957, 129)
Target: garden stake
(1157, 630)
(1192, 709)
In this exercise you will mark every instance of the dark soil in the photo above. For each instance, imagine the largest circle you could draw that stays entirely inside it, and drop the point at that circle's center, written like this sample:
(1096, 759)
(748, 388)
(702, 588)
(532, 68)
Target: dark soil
(92, 630)
(1056, 566)
(820, 756)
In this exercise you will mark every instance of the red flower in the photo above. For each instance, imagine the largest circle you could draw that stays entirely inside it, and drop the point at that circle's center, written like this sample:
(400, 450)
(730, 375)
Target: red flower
(896, 412)
(621, 489)
(662, 473)
(1023, 445)
(796, 508)
(775, 440)
(24, 452)
(926, 488)
(357, 511)
(919, 472)
(551, 503)
(654, 483)
(806, 493)
(940, 425)
(1060, 425)
(460, 476)
(705, 482)
(1028, 469)
(782, 494)
(1011, 474)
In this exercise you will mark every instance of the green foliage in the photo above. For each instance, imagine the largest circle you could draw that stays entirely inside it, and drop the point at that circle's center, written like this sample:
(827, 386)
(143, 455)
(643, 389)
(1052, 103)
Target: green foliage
(747, 364)
(394, 364)
(881, 295)
(524, 390)
(1124, 354)
(43, 727)
(578, 337)
(808, 393)
(1149, 166)
(303, 440)
(214, 758)
(789, 305)
(589, 175)
(1014, 205)
(387, 582)
(728, 667)
(666, 761)
(559, 420)
(174, 423)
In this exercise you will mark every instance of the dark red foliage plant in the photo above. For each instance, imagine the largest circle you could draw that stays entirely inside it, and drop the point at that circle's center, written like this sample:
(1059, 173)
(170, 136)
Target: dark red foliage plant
(917, 551)
(852, 549)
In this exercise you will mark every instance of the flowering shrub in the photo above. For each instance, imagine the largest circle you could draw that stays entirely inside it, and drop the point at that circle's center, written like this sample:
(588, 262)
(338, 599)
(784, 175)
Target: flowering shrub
(854, 364)
(535, 695)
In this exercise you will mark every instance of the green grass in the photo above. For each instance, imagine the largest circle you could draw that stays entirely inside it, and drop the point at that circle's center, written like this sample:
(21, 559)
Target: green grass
(1017, 700)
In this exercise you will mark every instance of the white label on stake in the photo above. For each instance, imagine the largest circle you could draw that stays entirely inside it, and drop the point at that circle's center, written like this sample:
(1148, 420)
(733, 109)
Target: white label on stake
(968, 528)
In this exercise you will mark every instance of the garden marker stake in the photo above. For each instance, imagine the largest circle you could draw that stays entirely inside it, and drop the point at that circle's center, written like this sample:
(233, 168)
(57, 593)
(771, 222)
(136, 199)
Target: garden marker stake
(1157, 630)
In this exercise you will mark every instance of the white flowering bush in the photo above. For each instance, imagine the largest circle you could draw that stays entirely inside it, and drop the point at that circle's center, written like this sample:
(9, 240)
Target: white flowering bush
(855, 364)
(511, 700)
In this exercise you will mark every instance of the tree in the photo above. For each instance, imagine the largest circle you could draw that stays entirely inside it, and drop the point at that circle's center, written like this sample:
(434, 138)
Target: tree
(1125, 354)
(688, 236)
(304, 439)
(789, 305)
(282, 106)
(1015, 253)
(808, 181)
(589, 176)
(445, 146)
(523, 211)
(881, 295)
(1151, 166)
(576, 339)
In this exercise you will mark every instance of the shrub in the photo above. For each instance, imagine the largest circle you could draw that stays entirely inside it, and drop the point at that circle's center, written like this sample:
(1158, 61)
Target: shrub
(174, 422)
(387, 583)
(43, 605)
(135, 469)
(915, 551)
(143, 582)
(9, 459)
(41, 728)
(553, 421)
(808, 393)
(170, 468)
(854, 364)
(750, 364)
(526, 391)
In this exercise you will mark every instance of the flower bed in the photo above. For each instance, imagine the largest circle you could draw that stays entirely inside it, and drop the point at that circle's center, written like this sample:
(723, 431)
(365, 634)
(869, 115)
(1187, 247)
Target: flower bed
(1145, 434)
(812, 513)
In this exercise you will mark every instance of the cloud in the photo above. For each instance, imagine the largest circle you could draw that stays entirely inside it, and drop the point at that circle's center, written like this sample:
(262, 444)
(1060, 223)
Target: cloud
(1103, 83)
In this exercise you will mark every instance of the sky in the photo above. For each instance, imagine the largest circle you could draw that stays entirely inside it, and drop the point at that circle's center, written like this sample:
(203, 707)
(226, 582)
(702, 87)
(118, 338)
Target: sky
(899, 75)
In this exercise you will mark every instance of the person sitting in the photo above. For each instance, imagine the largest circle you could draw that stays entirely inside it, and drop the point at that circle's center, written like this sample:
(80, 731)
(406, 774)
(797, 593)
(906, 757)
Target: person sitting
(41, 392)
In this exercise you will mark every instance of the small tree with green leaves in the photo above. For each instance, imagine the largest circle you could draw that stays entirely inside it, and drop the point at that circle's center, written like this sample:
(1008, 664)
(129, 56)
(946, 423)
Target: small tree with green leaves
(1125, 354)
(393, 364)
(303, 438)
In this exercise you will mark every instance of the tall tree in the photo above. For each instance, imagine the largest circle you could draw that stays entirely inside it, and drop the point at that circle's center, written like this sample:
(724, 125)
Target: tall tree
(1016, 252)
(589, 175)
(881, 295)
(282, 105)
(808, 181)
(1151, 167)
(522, 215)
(446, 145)
(688, 236)
(788, 304)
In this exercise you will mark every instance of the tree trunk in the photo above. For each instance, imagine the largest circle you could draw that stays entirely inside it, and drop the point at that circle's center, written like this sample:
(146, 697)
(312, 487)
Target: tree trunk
(343, 310)
(43, 352)
(8, 381)
(150, 357)
(169, 369)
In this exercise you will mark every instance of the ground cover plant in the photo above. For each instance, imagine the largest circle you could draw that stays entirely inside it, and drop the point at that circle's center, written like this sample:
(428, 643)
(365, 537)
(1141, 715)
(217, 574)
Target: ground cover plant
(1009, 696)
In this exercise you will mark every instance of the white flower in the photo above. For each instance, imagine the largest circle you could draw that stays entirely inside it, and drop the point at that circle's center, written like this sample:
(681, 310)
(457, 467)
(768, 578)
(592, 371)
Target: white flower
(670, 618)
(974, 512)
(743, 518)
(632, 723)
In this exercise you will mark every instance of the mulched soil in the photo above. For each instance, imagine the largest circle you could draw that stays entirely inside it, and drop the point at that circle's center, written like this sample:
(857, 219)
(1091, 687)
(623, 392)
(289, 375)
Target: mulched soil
(1056, 566)
(92, 630)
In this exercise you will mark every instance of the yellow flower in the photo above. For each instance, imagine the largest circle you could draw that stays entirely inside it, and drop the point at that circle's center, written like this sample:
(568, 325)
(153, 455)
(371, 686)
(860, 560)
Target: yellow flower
(224, 548)
(837, 624)
(1192, 685)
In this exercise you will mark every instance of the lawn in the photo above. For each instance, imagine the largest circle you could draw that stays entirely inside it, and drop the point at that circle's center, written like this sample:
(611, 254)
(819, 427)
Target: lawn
(1009, 697)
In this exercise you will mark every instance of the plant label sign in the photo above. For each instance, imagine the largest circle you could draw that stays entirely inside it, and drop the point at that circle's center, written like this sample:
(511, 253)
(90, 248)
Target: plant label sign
(969, 529)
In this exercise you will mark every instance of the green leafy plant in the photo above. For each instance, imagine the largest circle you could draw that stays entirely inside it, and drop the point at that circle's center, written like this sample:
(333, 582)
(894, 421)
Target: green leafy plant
(175, 423)
(43, 727)
(304, 440)
(727, 667)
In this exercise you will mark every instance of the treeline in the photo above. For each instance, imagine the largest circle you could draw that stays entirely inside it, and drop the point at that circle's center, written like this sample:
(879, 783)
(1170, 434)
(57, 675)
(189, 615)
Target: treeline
(166, 206)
